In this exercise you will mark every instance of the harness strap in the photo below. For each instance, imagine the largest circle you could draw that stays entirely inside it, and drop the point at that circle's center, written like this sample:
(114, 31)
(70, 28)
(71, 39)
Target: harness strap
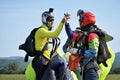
(55, 45)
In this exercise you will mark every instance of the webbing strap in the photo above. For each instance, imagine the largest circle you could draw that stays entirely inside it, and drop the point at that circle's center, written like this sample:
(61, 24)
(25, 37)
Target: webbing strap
(56, 43)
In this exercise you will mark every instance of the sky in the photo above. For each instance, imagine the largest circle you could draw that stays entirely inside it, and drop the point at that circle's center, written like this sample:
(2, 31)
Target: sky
(19, 17)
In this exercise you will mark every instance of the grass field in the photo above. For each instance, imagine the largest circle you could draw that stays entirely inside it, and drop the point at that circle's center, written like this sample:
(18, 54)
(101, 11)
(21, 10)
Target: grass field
(22, 77)
(12, 77)
(113, 77)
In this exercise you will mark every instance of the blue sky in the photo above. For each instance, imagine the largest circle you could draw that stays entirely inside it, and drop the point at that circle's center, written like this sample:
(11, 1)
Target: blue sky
(19, 17)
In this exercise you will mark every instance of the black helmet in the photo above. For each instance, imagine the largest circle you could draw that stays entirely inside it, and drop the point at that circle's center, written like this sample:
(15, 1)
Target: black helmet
(47, 16)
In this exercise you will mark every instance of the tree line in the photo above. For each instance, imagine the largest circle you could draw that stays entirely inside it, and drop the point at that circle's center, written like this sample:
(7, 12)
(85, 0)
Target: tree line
(14, 68)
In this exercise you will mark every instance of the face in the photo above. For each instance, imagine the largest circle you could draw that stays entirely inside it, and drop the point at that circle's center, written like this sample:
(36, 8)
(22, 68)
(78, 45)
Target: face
(50, 22)
(81, 17)
(80, 22)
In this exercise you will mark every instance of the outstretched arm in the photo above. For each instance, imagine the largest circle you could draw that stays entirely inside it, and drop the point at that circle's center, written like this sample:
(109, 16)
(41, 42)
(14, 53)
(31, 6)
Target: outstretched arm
(71, 35)
(68, 30)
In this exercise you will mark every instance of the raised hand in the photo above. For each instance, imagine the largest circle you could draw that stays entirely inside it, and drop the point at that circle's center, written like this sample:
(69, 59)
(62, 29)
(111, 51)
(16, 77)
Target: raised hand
(66, 17)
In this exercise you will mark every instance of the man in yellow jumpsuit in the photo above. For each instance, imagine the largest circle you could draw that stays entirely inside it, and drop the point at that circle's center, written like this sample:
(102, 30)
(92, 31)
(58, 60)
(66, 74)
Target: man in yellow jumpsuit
(42, 36)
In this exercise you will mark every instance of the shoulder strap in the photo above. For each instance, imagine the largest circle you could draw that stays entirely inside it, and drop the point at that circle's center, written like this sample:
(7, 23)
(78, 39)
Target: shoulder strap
(44, 48)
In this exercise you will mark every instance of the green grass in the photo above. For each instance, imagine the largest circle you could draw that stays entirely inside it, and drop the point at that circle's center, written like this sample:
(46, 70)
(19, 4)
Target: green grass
(22, 77)
(12, 77)
(113, 77)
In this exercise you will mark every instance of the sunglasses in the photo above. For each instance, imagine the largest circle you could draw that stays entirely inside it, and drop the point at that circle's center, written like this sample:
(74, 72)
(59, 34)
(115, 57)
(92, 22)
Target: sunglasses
(50, 20)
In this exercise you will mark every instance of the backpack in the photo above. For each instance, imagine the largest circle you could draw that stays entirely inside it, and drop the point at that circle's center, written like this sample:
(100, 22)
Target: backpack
(103, 52)
(29, 45)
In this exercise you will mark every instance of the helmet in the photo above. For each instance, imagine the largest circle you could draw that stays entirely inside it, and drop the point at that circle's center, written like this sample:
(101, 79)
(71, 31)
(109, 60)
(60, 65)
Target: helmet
(47, 16)
(86, 18)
